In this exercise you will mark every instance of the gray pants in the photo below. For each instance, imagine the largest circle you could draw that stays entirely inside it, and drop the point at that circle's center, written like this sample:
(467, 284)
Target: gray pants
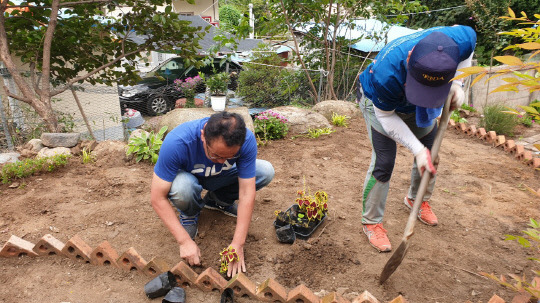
(383, 157)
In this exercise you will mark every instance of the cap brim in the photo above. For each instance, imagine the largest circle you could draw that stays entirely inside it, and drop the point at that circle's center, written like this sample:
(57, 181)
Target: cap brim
(426, 96)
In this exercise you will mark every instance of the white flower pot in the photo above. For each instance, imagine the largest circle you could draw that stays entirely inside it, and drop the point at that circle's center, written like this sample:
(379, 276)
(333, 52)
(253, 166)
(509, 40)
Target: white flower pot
(218, 103)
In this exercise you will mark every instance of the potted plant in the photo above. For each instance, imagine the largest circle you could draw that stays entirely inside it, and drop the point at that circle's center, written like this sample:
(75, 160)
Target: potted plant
(305, 215)
(218, 90)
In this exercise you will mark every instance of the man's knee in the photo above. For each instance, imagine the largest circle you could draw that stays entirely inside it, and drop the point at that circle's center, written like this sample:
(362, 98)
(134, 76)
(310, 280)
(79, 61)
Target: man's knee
(264, 173)
(183, 190)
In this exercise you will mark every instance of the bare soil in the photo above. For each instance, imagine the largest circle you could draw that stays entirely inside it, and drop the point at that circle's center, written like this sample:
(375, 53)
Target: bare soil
(481, 195)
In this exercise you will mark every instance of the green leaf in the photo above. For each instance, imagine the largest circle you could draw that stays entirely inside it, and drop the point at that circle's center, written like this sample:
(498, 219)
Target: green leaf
(524, 242)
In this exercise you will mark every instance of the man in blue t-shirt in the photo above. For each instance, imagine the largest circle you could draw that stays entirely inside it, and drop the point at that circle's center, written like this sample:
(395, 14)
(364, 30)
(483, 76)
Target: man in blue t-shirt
(217, 154)
(401, 94)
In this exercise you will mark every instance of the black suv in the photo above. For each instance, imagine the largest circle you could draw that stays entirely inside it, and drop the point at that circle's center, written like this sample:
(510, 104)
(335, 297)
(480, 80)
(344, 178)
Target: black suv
(156, 93)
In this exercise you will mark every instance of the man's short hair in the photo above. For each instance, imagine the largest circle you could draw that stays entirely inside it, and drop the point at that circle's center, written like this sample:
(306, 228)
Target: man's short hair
(229, 126)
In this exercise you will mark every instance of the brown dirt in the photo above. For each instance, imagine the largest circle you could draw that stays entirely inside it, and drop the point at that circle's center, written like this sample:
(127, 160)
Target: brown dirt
(480, 196)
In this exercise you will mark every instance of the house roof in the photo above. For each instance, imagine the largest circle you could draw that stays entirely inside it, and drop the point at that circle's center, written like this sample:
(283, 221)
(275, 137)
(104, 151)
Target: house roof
(208, 40)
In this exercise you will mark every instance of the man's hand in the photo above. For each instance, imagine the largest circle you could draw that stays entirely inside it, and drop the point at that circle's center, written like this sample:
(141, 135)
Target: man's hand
(423, 161)
(237, 266)
(190, 252)
(457, 96)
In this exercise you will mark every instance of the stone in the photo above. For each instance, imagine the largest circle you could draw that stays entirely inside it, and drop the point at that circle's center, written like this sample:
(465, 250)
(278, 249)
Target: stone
(9, 157)
(138, 133)
(35, 145)
(51, 152)
(301, 120)
(60, 139)
(344, 108)
(180, 115)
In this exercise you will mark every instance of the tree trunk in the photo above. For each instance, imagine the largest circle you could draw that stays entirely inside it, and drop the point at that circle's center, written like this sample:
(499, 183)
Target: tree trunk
(44, 109)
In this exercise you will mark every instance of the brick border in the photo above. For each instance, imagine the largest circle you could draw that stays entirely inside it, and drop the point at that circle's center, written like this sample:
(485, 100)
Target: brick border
(517, 151)
(209, 280)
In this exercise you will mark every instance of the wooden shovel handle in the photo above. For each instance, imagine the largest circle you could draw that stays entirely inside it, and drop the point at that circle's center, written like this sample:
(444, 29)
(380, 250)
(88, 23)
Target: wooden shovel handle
(426, 176)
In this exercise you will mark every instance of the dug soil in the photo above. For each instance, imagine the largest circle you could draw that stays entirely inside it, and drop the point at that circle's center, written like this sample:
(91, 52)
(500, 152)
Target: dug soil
(481, 195)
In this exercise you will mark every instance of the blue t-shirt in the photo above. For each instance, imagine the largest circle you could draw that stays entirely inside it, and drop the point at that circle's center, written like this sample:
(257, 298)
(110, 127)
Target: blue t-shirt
(183, 149)
(383, 80)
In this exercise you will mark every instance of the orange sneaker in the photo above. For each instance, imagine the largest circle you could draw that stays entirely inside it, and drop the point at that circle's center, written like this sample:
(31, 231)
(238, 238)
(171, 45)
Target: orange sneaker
(425, 214)
(377, 237)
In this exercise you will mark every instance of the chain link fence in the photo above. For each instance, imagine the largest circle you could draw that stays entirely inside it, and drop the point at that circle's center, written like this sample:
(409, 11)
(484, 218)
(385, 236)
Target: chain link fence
(92, 110)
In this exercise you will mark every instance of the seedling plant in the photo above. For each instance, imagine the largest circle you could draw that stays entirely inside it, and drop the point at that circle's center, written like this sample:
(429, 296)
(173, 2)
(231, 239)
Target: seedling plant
(227, 256)
(340, 120)
(88, 156)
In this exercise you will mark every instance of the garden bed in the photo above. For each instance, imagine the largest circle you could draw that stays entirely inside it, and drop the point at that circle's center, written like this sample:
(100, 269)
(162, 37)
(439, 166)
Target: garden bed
(480, 196)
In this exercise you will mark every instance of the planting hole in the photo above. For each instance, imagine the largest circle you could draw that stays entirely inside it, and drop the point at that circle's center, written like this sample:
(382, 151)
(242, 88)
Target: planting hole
(152, 271)
(206, 283)
(186, 284)
(99, 255)
(133, 268)
(125, 261)
(22, 254)
(215, 290)
(245, 296)
(268, 295)
(52, 253)
(237, 289)
(277, 301)
(79, 257)
(12, 250)
(107, 262)
(299, 301)
(43, 248)
(71, 249)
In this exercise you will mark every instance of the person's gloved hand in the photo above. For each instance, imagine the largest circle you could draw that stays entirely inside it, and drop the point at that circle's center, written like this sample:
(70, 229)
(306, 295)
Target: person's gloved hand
(423, 161)
(457, 96)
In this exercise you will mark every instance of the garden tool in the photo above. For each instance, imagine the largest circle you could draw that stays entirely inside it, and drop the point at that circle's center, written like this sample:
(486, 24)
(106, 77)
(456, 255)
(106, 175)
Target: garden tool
(399, 254)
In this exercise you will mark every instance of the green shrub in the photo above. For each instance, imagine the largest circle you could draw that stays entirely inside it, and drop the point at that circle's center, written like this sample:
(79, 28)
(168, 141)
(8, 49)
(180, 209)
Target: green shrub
(270, 125)
(146, 146)
(29, 167)
(494, 118)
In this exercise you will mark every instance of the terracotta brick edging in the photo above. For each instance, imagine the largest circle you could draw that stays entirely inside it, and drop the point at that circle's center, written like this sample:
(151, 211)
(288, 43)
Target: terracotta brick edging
(209, 280)
(517, 151)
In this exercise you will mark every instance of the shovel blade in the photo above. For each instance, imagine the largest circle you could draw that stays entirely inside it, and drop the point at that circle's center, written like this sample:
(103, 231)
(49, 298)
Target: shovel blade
(394, 261)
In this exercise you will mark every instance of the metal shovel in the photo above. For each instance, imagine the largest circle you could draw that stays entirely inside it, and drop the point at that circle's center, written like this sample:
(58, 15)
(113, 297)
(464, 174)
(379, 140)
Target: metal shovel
(399, 254)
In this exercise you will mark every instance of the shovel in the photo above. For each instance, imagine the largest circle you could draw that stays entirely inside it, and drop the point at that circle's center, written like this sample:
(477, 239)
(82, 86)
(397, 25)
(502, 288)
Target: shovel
(399, 254)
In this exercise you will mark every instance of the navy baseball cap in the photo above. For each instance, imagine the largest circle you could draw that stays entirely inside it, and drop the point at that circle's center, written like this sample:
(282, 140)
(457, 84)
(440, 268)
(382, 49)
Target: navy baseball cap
(432, 64)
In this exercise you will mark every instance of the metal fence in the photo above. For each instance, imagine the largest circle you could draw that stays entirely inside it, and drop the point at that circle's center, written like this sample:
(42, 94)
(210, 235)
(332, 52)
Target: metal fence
(98, 103)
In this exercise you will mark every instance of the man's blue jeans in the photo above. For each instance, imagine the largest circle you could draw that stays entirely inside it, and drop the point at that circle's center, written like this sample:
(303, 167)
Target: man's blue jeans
(185, 192)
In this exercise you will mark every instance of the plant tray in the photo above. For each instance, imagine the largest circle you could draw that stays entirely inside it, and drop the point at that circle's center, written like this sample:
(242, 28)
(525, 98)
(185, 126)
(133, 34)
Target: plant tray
(301, 232)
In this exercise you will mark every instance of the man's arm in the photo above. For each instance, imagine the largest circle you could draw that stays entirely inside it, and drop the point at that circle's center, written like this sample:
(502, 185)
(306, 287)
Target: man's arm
(158, 196)
(401, 133)
(246, 203)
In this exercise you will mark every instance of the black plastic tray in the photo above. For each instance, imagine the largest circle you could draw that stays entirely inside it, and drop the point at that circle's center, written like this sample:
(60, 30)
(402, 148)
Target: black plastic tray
(301, 232)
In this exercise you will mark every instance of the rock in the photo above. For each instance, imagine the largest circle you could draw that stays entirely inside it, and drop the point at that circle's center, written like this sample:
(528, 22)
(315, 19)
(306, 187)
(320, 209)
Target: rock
(180, 115)
(28, 153)
(137, 133)
(60, 139)
(35, 145)
(301, 120)
(51, 152)
(344, 108)
(9, 157)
